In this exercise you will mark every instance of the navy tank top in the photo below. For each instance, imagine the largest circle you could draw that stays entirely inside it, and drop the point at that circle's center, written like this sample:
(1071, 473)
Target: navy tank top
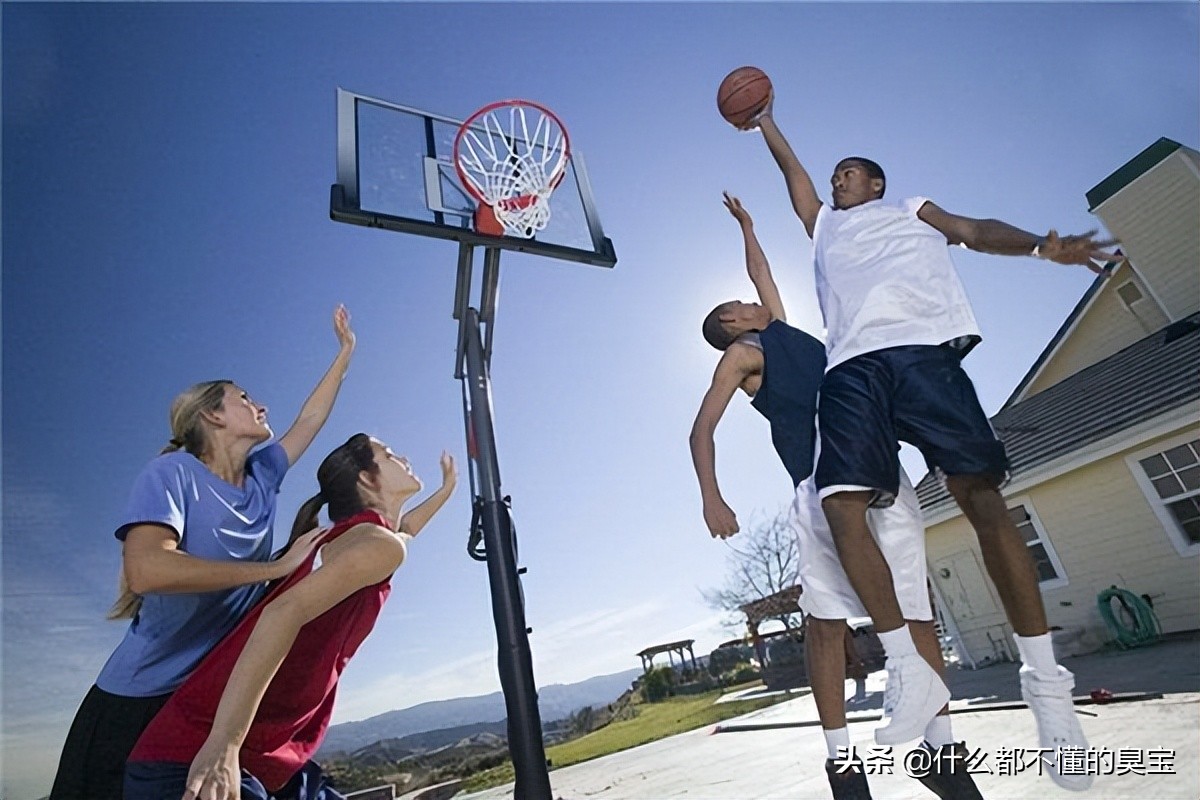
(793, 365)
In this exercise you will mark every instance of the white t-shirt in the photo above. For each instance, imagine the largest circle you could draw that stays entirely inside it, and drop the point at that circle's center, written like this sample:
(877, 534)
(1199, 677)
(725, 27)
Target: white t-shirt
(885, 279)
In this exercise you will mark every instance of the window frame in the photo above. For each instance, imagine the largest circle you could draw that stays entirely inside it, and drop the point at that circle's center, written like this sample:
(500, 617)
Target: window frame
(1061, 579)
(1175, 534)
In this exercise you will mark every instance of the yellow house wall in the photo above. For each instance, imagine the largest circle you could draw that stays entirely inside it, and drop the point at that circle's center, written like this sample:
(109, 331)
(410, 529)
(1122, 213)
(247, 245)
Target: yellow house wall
(1107, 327)
(1105, 533)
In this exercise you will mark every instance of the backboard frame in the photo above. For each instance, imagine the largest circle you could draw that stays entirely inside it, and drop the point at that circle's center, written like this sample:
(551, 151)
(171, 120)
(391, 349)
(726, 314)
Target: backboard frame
(344, 196)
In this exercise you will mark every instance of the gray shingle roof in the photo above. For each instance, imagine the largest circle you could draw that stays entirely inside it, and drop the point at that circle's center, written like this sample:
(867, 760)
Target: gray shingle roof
(1147, 378)
(1048, 352)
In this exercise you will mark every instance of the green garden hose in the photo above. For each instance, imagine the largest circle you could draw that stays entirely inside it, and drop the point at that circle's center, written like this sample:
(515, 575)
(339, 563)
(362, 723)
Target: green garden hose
(1145, 626)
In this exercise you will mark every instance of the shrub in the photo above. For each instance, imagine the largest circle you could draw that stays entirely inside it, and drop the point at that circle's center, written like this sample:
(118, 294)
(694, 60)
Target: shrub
(703, 683)
(743, 674)
(656, 684)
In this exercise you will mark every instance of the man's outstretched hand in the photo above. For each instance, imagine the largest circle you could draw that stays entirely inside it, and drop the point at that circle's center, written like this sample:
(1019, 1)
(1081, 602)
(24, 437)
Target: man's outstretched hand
(1082, 249)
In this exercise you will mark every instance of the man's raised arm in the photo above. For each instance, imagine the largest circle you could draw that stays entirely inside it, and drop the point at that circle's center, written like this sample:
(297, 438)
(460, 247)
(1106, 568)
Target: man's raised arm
(756, 260)
(800, 186)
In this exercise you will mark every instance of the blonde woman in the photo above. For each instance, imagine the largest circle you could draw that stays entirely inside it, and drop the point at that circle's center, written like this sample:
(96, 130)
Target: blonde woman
(244, 725)
(197, 539)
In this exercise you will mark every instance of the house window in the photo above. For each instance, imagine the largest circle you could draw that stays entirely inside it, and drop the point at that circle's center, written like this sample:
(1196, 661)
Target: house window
(1170, 478)
(1049, 569)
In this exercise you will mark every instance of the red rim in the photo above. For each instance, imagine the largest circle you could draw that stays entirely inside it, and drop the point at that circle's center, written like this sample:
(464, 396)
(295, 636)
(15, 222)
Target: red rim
(522, 200)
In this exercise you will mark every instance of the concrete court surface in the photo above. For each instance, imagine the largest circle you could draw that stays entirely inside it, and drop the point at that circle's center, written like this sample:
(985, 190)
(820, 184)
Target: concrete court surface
(788, 761)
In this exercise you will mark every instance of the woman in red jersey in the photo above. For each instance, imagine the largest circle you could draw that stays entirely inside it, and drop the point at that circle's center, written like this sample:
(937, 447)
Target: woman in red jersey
(246, 722)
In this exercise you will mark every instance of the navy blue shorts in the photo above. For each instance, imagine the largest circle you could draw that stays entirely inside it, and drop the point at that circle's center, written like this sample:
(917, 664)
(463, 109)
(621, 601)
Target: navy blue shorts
(918, 394)
(164, 780)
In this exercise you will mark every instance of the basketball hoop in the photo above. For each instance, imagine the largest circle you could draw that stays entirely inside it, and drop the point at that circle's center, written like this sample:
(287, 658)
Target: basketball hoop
(510, 156)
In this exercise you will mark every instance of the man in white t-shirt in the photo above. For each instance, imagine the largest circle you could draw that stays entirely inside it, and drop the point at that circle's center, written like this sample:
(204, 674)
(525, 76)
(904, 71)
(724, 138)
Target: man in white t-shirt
(898, 324)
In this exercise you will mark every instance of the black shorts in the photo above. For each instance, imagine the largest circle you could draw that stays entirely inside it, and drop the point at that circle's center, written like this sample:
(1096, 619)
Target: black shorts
(917, 394)
(106, 728)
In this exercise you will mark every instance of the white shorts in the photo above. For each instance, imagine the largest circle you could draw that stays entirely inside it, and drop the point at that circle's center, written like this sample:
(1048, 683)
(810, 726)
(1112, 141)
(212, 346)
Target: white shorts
(898, 529)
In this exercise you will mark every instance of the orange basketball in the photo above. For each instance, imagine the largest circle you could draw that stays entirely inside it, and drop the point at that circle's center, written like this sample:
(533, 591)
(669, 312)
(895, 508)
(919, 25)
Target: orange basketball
(743, 94)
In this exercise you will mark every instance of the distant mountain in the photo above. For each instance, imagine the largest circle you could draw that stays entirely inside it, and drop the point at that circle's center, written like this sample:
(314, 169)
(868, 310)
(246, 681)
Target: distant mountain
(561, 700)
(421, 759)
(394, 750)
(554, 702)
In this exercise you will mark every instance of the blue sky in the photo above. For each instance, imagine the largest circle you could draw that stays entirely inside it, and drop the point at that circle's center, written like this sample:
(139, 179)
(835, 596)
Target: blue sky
(166, 172)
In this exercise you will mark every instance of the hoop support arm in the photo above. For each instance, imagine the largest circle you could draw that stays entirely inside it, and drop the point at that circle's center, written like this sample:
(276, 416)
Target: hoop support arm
(489, 294)
(462, 293)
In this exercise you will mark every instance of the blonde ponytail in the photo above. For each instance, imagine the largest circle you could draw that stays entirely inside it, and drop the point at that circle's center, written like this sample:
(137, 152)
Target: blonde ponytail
(127, 603)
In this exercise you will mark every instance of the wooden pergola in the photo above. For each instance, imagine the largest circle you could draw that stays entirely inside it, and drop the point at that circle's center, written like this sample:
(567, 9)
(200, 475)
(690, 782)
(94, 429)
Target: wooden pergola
(785, 601)
(671, 648)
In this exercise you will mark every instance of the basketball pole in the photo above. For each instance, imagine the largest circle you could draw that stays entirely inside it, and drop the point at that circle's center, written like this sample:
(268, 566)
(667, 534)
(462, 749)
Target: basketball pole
(514, 658)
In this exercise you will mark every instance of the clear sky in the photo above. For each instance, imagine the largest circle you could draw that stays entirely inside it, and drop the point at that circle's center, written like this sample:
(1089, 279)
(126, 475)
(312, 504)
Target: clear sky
(166, 173)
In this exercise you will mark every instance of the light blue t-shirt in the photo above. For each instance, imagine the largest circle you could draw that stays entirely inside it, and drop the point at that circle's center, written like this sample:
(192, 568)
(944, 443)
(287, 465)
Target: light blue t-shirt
(213, 520)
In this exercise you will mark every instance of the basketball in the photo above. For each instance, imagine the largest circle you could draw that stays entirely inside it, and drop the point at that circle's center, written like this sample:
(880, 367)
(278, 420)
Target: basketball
(743, 94)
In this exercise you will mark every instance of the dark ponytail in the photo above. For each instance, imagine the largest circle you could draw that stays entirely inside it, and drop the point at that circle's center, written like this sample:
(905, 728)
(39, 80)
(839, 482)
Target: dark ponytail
(338, 478)
(308, 517)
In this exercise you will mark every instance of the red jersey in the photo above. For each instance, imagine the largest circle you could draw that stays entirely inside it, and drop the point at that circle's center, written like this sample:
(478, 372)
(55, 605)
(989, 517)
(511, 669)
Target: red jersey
(296, 708)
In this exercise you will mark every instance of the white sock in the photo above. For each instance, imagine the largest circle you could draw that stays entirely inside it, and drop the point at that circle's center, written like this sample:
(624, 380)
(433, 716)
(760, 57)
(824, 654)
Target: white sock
(836, 738)
(1037, 653)
(898, 642)
(938, 733)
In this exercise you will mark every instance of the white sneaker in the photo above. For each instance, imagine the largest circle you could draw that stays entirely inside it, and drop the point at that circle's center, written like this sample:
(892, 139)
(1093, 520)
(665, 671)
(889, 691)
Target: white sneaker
(913, 696)
(1049, 698)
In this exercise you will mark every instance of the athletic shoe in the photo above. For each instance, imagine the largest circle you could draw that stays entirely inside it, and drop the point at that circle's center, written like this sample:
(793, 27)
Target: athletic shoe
(1049, 698)
(914, 695)
(947, 776)
(850, 784)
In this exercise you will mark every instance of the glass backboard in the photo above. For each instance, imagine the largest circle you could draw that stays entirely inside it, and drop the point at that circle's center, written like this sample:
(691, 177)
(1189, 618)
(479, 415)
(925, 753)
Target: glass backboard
(395, 170)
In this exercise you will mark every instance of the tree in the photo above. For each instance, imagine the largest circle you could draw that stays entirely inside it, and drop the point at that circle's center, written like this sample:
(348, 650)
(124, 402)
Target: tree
(764, 558)
(582, 721)
(656, 683)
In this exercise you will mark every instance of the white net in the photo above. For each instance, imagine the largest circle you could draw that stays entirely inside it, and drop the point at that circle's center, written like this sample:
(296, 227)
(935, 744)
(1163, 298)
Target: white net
(513, 165)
